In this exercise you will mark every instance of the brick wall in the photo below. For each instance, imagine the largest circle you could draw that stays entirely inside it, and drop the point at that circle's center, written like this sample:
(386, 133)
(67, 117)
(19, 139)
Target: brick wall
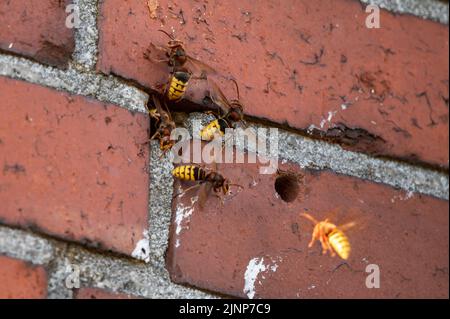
(87, 208)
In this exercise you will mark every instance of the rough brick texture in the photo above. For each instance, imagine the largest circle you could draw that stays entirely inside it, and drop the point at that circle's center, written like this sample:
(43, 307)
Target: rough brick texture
(258, 234)
(20, 280)
(37, 29)
(72, 167)
(96, 293)
(308, 64)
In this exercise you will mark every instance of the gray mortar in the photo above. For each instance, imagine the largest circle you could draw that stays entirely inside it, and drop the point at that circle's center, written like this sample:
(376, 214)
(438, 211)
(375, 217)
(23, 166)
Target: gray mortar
(160, 206)
(115, 274)
(86, 36)
(426, 9)
(314, 154)
(104, 88)
(123, 276)
(22, 245)
(58, 273)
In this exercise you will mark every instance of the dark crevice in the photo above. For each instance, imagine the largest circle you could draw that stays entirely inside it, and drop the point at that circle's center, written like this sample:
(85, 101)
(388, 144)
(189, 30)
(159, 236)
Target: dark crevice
(343, 134)
(351, 138)
(55, 54)
(61, 65)
(287, 186)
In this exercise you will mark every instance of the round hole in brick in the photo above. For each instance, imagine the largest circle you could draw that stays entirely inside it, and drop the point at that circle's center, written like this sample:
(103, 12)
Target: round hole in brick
(287, 187)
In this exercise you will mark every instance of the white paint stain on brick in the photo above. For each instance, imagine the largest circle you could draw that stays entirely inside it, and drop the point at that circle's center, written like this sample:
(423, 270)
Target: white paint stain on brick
(142, 249)
(311, 129)
(183, 212)
(254, 183)
(322, 123)
(330, 116)
(407, 196)
(256, 267)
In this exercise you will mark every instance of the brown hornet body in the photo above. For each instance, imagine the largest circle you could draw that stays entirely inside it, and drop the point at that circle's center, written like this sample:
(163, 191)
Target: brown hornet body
(330, 236)
(199, 174)
(233, 112)
(182, 67)
(165, 126)
(207, 181)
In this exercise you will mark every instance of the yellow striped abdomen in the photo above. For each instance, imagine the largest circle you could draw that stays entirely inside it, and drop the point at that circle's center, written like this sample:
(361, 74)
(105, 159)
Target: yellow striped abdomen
(217, 126)
(339, 242)
(210, 130)
(188, 173)
(178, 85)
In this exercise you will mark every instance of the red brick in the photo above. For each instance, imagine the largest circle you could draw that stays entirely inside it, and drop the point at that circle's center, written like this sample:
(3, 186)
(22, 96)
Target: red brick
(267, 49)
(37, 29)
(21, 280)
(96, 293)
(405, 235)
(72, 167)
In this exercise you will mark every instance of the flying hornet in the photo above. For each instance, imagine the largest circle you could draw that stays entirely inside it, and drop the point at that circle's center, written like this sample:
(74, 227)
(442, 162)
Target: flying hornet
(183, 67)
(209, 180)
(331, 237)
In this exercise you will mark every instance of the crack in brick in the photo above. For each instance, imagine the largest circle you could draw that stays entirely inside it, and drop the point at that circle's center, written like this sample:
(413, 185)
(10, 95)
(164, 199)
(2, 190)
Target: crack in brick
(424, 95)
(54, 54)
(14, 168)
(316, 60)
(343, 134)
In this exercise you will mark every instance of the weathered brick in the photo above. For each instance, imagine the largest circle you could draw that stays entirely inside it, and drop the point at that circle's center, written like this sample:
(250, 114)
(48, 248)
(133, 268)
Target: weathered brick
(21, 280)
(97, 293)
(72, 167)
(305, 64)
(258, 234)
(37, 29)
